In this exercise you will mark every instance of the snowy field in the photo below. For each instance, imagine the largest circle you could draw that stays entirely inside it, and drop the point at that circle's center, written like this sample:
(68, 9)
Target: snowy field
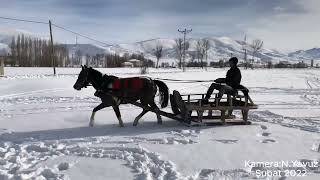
(44, 131)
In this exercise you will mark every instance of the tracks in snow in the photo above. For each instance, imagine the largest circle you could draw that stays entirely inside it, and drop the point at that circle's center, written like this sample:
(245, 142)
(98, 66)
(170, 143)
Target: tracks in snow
(305, 124)
(313, 94)
(24, 160)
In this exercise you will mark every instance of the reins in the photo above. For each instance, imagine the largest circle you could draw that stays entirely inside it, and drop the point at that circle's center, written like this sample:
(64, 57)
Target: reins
(183, 81)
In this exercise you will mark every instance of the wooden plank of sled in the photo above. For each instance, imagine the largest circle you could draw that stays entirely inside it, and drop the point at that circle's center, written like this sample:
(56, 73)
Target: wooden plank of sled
(220, 108)
(219, 123)
(213, 117)
(185, 112)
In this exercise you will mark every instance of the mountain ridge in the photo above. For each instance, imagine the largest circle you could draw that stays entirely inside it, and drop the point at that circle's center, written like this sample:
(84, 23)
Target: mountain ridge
(221, 48)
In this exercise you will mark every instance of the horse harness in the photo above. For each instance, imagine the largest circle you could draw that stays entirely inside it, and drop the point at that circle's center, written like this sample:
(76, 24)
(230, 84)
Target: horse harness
(121, 87)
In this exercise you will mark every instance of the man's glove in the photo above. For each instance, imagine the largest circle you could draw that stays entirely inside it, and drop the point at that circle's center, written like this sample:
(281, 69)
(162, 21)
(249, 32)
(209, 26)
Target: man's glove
(219, 80)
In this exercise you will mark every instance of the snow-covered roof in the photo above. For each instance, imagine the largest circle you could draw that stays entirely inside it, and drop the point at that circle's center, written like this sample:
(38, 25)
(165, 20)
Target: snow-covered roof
(127, 63)
(284, 62)
(134, 60)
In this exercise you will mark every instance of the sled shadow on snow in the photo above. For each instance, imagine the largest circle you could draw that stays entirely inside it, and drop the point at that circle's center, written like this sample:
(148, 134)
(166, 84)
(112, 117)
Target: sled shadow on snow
(98, 130)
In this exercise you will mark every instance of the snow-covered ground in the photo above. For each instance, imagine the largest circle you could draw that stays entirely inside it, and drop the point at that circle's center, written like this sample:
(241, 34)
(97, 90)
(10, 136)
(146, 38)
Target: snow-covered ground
(44, 130)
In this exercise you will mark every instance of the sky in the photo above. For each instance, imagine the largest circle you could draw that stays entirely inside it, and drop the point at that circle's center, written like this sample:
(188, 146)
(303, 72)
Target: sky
(285, 25)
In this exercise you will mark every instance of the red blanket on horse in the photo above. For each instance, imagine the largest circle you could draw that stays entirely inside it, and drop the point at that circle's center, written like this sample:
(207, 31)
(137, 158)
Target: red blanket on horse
(127, 85)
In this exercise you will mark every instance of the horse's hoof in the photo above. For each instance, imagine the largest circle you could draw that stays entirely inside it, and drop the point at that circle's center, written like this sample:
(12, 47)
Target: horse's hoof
(135, 124)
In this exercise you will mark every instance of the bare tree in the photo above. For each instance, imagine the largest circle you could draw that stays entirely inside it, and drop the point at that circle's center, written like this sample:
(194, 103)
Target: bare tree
(88, 58)
(186, 45)
(206, 47)
(245, 48)
(158, 53)
(192, 56)
(200, 52)
(179, 51)
(78, 57)
(256, 46)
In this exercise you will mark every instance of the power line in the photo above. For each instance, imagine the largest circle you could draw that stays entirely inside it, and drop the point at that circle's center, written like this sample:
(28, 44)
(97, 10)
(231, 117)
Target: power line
(184, 81)
(58, 26)
(76, 33)
(23, 20)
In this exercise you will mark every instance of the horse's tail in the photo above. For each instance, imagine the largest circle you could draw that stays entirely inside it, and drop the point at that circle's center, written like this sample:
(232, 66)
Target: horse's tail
(164, 93)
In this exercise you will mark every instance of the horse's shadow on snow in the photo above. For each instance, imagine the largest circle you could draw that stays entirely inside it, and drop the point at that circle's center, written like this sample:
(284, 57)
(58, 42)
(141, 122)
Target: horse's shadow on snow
(98, 130)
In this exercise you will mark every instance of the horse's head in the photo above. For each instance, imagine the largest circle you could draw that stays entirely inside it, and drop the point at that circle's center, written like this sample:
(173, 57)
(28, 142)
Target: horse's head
(82, 80)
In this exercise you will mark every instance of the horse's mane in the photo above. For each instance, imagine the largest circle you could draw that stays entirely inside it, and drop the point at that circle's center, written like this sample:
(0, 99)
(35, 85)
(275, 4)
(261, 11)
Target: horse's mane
(95, 72)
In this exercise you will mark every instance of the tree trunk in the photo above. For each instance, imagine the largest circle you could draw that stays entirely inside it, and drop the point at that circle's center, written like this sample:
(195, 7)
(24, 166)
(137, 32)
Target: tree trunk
(157, 63)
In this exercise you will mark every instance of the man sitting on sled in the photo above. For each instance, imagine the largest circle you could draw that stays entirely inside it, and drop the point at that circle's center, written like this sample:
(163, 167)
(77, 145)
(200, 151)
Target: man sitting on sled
(232, 82)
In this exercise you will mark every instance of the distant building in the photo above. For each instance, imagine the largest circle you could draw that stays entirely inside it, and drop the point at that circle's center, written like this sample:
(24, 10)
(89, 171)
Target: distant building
(260, 64)
(284, 64)
(165, 65)
(1, 66)
(127, 64)
(3, 57)
(136, 62)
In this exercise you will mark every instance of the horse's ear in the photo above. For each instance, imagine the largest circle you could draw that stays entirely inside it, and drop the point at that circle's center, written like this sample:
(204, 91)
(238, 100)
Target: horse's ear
(81, 66)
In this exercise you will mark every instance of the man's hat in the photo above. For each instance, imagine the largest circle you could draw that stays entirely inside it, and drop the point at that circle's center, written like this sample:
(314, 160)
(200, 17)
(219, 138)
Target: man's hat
(234, 60)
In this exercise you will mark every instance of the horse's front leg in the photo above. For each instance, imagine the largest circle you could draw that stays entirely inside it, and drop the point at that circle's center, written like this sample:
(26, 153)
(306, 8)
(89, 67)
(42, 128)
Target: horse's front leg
(116, 109)
(99, 107)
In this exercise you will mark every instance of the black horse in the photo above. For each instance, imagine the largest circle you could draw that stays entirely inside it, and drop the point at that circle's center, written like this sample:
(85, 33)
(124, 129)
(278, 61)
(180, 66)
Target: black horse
(114, 91)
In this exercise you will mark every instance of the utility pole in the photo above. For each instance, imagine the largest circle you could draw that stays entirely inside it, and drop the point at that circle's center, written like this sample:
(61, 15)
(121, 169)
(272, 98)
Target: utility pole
(245, 51)
(52, 52)
(185, 32)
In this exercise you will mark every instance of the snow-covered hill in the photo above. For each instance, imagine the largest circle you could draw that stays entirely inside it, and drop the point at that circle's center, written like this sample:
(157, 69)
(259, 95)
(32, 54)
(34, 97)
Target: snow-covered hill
(85, 49)
(313, 53)
(7, 34)
(221, 48)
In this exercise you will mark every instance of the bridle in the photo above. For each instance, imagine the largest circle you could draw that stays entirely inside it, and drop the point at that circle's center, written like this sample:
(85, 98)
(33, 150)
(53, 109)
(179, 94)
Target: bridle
(86, 83)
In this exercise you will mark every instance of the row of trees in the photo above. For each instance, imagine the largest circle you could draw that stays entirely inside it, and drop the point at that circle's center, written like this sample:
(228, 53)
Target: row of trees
(27, 51)
(34, 52)
(203, 45)
(107, 60)
(201, 52)
(300, 64)
(255, 47)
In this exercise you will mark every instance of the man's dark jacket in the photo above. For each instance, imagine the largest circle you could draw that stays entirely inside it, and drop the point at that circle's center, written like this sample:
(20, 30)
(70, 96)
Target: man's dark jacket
(233, 77)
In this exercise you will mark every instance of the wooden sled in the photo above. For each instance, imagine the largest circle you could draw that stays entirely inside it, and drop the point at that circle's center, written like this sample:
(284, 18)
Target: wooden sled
(185, 106)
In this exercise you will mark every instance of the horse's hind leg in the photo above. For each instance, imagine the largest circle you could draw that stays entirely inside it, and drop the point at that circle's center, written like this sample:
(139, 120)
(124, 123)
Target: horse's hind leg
(99, 107)
(155, 107)
(144, 103)
(136, 120)
(117, 111)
